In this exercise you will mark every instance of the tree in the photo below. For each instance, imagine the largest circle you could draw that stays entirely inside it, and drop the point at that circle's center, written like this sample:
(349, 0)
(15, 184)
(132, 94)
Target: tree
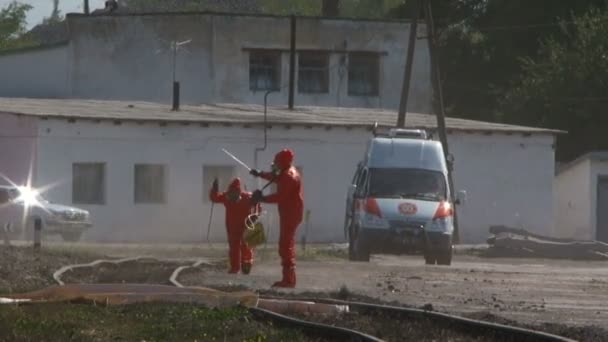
(489, 48)
(567, 86)
(331, 8)
(13, 26)
(245, 6)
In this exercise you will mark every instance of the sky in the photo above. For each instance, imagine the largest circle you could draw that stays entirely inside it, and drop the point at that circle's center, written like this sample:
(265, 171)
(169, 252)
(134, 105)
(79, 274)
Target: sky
(43, 8)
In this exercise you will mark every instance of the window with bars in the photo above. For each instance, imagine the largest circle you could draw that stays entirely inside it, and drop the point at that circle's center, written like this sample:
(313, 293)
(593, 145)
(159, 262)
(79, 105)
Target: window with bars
(363, 74)
(88, 183)
(313, 72)
(150, 183)
(264, 70)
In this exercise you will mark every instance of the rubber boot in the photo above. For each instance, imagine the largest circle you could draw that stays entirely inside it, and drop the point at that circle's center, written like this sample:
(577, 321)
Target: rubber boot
(289, 278)
(246, 268)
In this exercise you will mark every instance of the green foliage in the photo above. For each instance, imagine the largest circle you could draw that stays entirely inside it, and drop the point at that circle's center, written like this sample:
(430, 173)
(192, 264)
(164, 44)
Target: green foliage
(566, 87)
(516, 61)
(288, 7)
(348, 8)
(138, 322)
(13, 26)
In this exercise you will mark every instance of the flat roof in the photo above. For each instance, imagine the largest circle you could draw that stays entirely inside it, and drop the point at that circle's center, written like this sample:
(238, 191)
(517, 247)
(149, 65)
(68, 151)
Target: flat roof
(243, 114)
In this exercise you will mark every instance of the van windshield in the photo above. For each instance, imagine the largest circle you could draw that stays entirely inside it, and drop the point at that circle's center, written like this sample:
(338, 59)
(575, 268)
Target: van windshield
(407, 183)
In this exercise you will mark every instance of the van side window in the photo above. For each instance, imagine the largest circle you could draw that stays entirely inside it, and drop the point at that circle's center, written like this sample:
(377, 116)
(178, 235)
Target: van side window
(361, 183)
(355, 180)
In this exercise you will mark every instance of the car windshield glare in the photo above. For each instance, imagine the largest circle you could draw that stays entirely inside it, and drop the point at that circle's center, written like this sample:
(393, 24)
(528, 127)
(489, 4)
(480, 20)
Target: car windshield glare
(407, 183)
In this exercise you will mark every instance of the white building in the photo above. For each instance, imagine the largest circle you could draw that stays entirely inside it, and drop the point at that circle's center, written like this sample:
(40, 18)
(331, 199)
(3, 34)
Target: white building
(581, 188)
(144, 171)
(231, 58)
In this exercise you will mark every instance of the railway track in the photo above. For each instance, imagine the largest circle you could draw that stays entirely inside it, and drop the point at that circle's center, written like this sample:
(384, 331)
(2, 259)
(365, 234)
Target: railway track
(498, 332)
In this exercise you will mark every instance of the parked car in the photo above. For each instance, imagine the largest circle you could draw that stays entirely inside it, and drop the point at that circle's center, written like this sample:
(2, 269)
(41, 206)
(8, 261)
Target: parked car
(23, 206)
(399, 200)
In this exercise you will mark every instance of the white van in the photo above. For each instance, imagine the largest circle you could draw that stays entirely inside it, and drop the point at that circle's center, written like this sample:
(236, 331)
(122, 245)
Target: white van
(399, 200)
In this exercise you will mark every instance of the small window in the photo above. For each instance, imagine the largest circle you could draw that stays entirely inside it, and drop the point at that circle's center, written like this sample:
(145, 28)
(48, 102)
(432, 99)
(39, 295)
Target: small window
(313, 72)
(88, 183)
(224, 175)
(363, 74)
(150, 183)
(264, 70)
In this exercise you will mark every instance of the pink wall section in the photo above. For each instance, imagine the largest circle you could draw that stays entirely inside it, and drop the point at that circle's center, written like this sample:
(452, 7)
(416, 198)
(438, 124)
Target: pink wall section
(17, 146)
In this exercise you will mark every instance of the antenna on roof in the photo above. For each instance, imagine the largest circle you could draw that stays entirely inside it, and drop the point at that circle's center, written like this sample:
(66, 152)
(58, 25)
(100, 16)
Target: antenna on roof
(175, 46)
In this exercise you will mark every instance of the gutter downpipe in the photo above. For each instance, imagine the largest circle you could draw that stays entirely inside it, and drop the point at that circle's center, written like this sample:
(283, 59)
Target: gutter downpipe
(263, 148)
(260, 149)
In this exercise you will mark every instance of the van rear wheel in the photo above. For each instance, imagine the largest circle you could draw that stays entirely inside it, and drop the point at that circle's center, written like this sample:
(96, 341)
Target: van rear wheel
(429, 258)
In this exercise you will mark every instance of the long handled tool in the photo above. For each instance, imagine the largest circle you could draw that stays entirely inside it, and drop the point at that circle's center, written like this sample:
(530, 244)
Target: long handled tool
(236, 159)
(305, 236)
(209, 224)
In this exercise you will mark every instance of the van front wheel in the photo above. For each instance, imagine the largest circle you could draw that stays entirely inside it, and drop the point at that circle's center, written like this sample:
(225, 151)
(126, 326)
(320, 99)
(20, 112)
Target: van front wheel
(445, 257)
(429, 257)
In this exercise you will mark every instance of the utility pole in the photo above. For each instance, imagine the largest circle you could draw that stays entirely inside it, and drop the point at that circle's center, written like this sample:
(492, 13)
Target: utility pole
(407, 76)
(86, 7)
(438, 101)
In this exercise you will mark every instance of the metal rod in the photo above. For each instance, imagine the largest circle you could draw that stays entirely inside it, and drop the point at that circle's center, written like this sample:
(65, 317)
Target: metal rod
(292, 62)
(174, 59)
(438, 103)
(407, 76)
(210, 223)
(176, 93)
(37, 233)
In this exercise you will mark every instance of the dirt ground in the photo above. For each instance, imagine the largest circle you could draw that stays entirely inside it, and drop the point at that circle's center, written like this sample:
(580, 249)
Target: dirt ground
(566, 296)
(524, 290)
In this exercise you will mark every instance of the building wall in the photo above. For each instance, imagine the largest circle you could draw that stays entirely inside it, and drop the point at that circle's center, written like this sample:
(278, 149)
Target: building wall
(17, 148)
(574, 202)
(129, 58)
(508, 179)
(506, 182)
(40, 73)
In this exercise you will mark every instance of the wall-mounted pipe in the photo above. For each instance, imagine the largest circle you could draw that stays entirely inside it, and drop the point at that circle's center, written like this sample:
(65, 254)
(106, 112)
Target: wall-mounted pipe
(292, 62)
(263, 148)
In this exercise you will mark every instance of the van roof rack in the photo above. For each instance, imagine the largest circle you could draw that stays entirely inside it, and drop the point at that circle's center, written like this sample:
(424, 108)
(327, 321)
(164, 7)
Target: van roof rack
(400, 133)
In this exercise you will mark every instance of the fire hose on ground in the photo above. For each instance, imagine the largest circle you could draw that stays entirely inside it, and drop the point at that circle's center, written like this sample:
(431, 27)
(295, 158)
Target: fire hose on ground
(516, 333)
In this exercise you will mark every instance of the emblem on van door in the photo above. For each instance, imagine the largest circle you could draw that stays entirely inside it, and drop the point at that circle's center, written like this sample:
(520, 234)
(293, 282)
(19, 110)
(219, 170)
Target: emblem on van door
(407, 208)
